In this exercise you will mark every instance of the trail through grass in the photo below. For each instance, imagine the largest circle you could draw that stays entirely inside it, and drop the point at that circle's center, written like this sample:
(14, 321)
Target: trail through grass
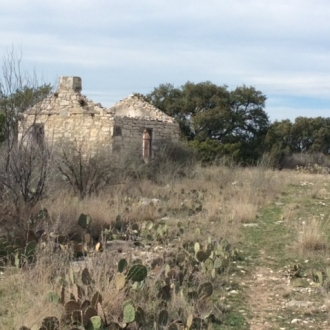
(279, 285)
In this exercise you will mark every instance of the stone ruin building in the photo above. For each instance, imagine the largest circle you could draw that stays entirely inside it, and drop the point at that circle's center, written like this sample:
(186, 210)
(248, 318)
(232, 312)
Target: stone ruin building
(68, 116)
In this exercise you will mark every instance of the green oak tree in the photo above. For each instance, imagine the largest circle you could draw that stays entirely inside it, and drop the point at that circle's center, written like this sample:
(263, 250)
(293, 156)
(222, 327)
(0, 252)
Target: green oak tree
(15, 103)
(215, 118)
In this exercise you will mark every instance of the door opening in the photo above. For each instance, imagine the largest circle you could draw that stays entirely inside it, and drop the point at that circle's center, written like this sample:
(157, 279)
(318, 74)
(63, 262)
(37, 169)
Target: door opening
(147, 144)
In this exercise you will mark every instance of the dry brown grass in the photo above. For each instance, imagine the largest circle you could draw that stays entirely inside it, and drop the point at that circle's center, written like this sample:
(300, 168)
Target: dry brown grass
(235, 195)
(24, 295)
(227, 195)
(311, 237)
(290, 211)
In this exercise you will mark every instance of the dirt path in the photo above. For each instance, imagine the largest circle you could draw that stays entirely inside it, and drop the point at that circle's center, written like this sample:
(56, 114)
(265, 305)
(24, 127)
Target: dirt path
(275, 302)
(281, 293)
(266, 289)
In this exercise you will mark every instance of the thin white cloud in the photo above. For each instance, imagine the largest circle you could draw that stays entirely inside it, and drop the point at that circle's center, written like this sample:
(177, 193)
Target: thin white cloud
(280, 47)
(280, 113)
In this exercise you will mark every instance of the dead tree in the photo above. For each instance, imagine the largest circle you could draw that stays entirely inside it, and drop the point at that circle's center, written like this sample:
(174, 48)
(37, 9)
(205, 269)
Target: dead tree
(24, 162)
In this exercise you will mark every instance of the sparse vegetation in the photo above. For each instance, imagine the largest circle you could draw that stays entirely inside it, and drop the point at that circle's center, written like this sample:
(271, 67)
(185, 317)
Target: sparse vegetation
(183, 233)
(150, 245)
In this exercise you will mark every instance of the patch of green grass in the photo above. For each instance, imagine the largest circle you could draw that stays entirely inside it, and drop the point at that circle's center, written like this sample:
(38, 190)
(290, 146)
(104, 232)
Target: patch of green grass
(235, 320)
(280, 229)
(270, 236)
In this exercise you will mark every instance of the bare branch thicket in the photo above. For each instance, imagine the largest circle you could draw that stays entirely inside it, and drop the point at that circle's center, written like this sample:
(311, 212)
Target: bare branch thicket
(24, 164)
(86, 172)
(170, 161)
(24, 177)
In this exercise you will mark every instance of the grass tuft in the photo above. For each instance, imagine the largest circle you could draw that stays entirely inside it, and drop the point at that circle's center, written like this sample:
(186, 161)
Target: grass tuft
(311, 237)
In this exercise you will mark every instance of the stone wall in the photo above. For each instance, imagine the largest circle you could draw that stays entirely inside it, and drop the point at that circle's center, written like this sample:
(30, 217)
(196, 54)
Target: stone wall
(135, 106)
(128, 132)
(86, 129)
(95, 131)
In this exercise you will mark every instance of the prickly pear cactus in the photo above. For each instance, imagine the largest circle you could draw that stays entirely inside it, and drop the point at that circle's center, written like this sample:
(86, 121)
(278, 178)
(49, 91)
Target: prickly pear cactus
(128, 312)
(137, 273)
(86, 277)
(84, 220)
(51, 323)
(140, 317)
(205, 290)
(122, 265)
(120, 281)
(95, 323)
(163, 318)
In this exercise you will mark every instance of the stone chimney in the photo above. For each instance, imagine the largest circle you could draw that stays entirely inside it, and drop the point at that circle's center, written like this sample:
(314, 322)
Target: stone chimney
(70, 84)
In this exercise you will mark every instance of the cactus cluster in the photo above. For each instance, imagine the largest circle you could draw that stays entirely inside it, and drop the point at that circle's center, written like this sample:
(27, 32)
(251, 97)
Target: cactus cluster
(322, 277)
(189, 271)
(20, 249)
(213, 257)
(83, 308)
(80, 312)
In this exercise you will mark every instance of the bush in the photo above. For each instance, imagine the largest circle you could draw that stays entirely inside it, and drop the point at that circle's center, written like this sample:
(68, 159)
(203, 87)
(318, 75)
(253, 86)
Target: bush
(90, 172)
(304, 159)
(171, 160)
(24, 173)
(87, 172)
(214, 152)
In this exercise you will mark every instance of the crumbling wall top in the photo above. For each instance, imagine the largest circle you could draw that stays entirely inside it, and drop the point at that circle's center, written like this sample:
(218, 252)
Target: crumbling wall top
(70, 84)
(135, 106)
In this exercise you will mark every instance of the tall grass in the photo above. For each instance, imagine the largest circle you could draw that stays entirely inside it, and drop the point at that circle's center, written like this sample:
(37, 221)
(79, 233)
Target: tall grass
(311, 237)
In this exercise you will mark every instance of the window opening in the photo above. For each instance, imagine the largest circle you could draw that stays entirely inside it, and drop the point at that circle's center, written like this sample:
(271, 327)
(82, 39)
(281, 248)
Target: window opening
(38, 133)
(117, 131)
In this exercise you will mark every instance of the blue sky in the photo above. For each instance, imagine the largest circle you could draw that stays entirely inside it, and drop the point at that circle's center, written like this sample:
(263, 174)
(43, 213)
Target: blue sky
(119, 47)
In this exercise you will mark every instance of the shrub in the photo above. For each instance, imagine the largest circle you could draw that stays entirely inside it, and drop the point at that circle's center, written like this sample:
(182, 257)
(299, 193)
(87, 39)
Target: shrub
(87, 172)
(214, 152)
(24, 170)
(304, 159)
(171, 160)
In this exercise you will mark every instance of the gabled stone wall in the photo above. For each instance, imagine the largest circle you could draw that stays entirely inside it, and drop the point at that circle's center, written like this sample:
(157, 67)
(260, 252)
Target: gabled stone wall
(135, 106)
(131, 131)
